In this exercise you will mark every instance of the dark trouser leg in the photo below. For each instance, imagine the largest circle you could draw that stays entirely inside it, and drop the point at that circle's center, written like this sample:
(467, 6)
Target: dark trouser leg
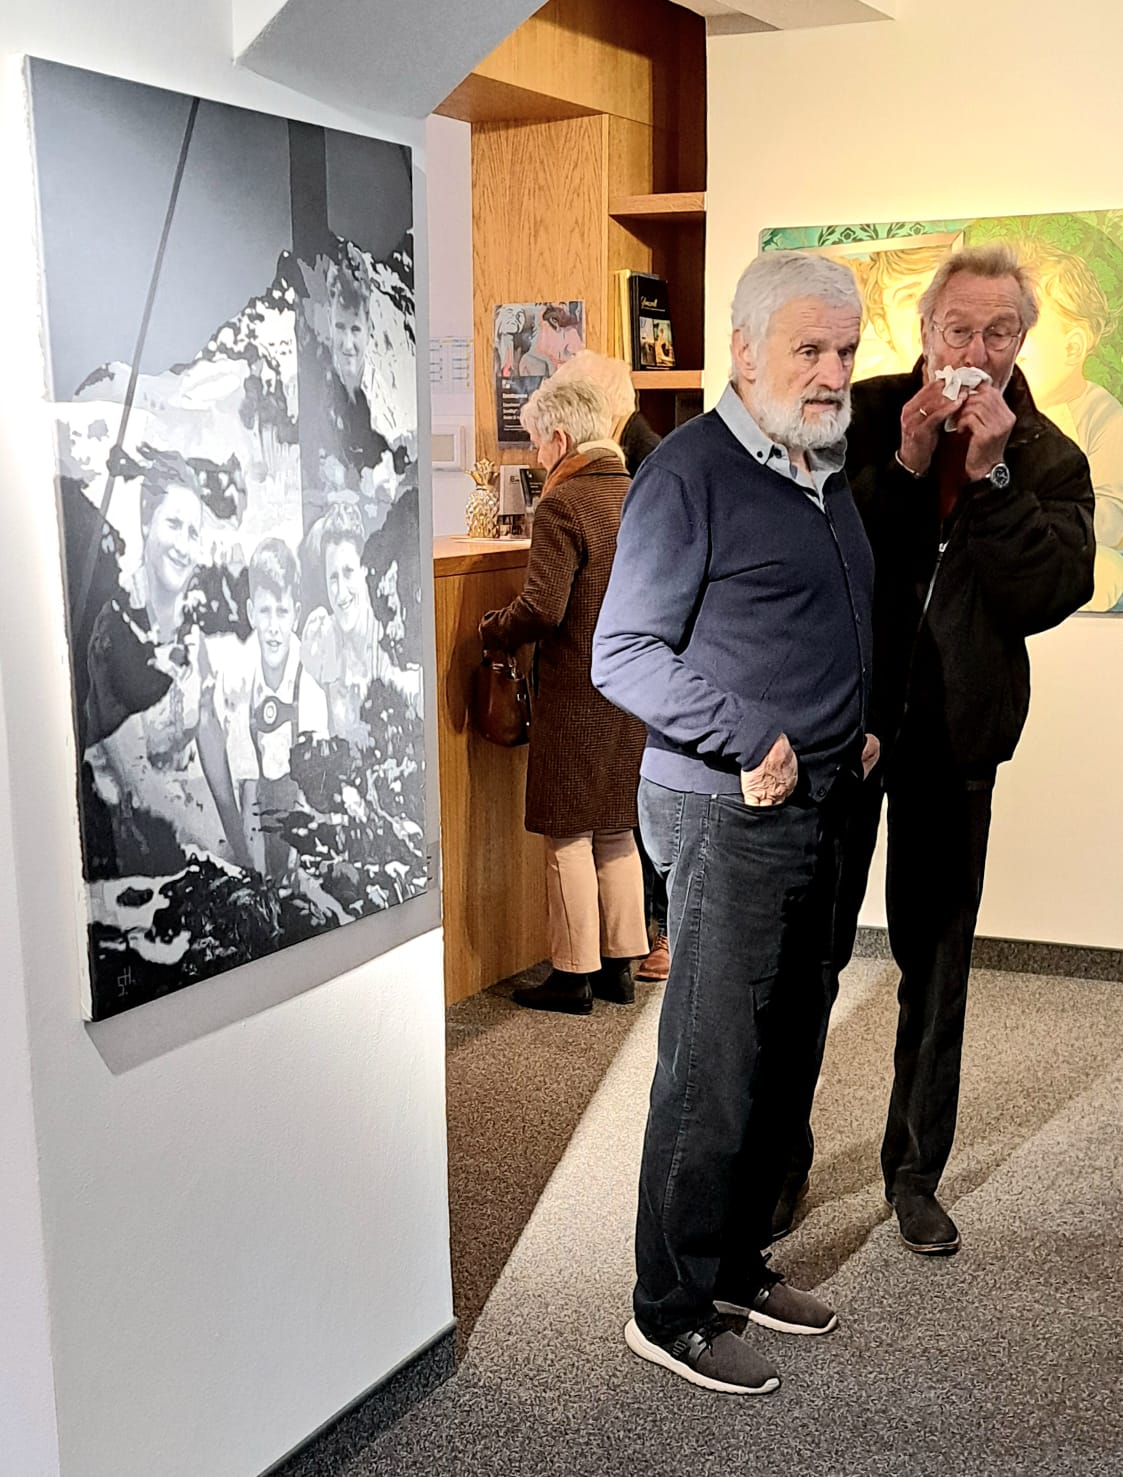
(859, 841)
(750, 895)
(654, 890)
(937, 852)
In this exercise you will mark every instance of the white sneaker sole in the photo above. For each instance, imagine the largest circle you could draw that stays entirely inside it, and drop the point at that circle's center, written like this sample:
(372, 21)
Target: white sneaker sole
(656, 1354)
(801, 1329)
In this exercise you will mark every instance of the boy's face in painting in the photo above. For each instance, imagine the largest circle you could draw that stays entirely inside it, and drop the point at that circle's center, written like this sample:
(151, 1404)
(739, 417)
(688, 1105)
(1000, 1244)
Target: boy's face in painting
(274, 618)
(350, 336)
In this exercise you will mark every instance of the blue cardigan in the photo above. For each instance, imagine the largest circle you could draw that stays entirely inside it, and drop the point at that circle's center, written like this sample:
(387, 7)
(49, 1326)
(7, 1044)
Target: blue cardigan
(736, 611)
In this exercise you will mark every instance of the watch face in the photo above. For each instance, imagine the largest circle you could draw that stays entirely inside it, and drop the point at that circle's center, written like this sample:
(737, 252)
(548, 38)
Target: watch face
(999, 476)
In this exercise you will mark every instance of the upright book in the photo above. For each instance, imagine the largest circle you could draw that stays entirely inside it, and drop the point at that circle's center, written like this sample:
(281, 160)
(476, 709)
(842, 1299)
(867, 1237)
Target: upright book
(621, 325)
(652, 342)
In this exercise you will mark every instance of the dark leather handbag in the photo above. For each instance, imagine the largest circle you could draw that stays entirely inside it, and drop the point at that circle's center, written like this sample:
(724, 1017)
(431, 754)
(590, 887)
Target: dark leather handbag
(501, 700)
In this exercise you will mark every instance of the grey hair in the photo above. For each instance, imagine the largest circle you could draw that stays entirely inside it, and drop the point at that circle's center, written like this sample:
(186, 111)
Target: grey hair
(611, 376)
(995, 259)
(778, 277)
(579, 409)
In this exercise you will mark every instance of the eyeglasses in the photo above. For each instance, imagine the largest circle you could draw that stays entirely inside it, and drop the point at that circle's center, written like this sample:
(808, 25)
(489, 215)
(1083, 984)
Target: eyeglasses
(957, 336)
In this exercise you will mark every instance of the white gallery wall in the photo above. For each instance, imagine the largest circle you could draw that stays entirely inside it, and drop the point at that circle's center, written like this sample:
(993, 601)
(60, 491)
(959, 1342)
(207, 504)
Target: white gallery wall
(999, 108)
(225, 1212)
(448, 155)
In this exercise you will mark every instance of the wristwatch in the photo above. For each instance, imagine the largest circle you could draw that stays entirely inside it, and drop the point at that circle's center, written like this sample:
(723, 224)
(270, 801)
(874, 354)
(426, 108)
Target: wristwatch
(998, 476)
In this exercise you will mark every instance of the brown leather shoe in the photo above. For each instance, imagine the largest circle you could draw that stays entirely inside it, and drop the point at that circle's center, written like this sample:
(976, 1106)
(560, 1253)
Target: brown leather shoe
(657, 965)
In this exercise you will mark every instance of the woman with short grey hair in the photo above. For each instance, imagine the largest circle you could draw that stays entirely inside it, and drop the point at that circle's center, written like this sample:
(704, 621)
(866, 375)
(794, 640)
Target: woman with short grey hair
(630, 429)
(583, 771)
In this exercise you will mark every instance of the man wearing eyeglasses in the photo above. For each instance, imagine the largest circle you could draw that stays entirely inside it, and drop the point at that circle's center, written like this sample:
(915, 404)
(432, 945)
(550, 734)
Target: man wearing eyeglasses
(979, 512)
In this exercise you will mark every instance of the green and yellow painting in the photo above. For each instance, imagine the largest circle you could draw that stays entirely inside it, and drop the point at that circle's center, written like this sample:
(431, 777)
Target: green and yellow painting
(1073, 357)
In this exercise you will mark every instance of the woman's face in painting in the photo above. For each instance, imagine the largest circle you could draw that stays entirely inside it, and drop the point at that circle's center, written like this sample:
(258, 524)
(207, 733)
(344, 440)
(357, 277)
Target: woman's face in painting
(347, 585)
(173, 545)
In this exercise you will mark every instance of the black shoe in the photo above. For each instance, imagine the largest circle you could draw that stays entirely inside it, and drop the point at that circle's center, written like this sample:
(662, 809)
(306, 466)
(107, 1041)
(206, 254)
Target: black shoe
(560, 990)
(613, 982)
(786, 1215)
(713, 1356)
(776, 1305)
(925, 1226)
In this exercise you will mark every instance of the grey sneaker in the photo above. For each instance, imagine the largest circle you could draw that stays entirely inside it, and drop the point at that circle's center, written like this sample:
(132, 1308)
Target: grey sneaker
(713, 1356)
(786, 1309)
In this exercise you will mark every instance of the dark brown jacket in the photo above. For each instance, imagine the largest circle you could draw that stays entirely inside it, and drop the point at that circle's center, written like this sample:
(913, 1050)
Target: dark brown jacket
(584, 753)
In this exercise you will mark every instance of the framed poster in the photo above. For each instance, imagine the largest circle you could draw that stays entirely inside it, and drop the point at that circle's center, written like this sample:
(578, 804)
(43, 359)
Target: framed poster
(1072, 358)
(233, 372)
(530, 341)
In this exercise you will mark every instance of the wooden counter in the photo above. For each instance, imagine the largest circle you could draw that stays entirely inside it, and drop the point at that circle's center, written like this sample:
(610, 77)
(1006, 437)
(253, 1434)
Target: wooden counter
(493, 877)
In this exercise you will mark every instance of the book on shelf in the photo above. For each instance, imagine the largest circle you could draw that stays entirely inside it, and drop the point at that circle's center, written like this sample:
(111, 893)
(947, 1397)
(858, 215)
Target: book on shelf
(621, 322)
(651, 339)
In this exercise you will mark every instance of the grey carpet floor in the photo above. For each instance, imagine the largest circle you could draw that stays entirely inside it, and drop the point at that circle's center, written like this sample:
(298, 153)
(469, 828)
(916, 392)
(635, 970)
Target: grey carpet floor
(518, 1084)
(1005, 1361)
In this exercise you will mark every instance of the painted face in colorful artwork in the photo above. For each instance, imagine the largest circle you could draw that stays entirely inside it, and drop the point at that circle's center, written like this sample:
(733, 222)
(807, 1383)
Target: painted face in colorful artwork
(350, 337)
(173, 544)
(1053, 356)
(347, 585)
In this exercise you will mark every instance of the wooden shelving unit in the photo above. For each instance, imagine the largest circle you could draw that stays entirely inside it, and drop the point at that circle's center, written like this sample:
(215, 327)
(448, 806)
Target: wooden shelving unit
(671, 226)
(589, 156)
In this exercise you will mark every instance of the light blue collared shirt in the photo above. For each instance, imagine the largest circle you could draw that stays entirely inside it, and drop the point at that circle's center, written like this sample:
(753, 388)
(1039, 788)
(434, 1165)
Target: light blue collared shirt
(735, 413)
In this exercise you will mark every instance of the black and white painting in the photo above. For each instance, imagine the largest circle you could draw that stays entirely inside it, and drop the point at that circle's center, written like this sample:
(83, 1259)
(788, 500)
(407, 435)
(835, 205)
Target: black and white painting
(232, 365)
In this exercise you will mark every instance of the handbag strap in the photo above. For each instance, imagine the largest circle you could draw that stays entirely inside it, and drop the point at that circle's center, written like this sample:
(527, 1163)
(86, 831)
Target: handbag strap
(501, 659)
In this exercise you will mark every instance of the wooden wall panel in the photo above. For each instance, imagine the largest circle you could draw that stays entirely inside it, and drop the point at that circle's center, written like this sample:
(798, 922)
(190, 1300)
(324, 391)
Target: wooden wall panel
(539, 198)
(598, 54)
(493, 871)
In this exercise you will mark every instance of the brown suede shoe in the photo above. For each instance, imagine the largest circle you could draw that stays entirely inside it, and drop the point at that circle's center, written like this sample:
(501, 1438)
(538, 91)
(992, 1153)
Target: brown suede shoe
(657, 965)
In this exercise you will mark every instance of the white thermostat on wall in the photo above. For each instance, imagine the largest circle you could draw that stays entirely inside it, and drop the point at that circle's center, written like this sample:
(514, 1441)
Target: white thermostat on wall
(450, 446)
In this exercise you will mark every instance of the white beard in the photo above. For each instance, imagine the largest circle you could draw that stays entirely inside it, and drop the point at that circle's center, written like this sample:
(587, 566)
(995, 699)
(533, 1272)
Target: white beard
(786, 425)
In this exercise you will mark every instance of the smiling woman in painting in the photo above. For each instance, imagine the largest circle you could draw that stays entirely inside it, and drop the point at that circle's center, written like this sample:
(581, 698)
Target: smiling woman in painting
(153, 742)
(342, 647)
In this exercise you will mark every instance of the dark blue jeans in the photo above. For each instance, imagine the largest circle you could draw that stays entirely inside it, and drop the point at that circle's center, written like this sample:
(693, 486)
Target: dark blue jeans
(751, 902)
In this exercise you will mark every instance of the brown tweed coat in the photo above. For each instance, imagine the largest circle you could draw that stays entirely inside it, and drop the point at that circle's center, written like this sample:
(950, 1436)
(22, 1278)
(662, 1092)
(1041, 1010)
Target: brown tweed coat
(585, 754)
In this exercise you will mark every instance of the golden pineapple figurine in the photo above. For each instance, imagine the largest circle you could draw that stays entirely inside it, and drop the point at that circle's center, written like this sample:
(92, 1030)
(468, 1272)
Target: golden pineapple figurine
(483, 505)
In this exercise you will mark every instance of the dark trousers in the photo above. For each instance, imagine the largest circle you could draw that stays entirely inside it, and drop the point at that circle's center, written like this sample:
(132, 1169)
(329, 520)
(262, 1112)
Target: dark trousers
(937, 841)
(654, 890)
(751, 900)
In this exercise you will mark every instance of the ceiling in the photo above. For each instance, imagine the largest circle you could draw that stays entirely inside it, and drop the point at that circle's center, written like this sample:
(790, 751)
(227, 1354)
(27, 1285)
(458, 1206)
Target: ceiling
(396, 58)
(379, 56)
(724, 17)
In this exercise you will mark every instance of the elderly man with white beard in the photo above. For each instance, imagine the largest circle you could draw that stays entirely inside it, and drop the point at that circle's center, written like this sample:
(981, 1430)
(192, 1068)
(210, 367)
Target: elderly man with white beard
(737, 626)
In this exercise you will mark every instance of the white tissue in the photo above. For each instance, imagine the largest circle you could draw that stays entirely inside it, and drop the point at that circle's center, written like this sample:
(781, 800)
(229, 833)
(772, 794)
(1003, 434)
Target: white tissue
(967, 377)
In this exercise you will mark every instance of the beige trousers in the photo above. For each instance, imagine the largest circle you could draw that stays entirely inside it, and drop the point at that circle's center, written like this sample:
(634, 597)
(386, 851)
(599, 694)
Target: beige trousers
(594, 896)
